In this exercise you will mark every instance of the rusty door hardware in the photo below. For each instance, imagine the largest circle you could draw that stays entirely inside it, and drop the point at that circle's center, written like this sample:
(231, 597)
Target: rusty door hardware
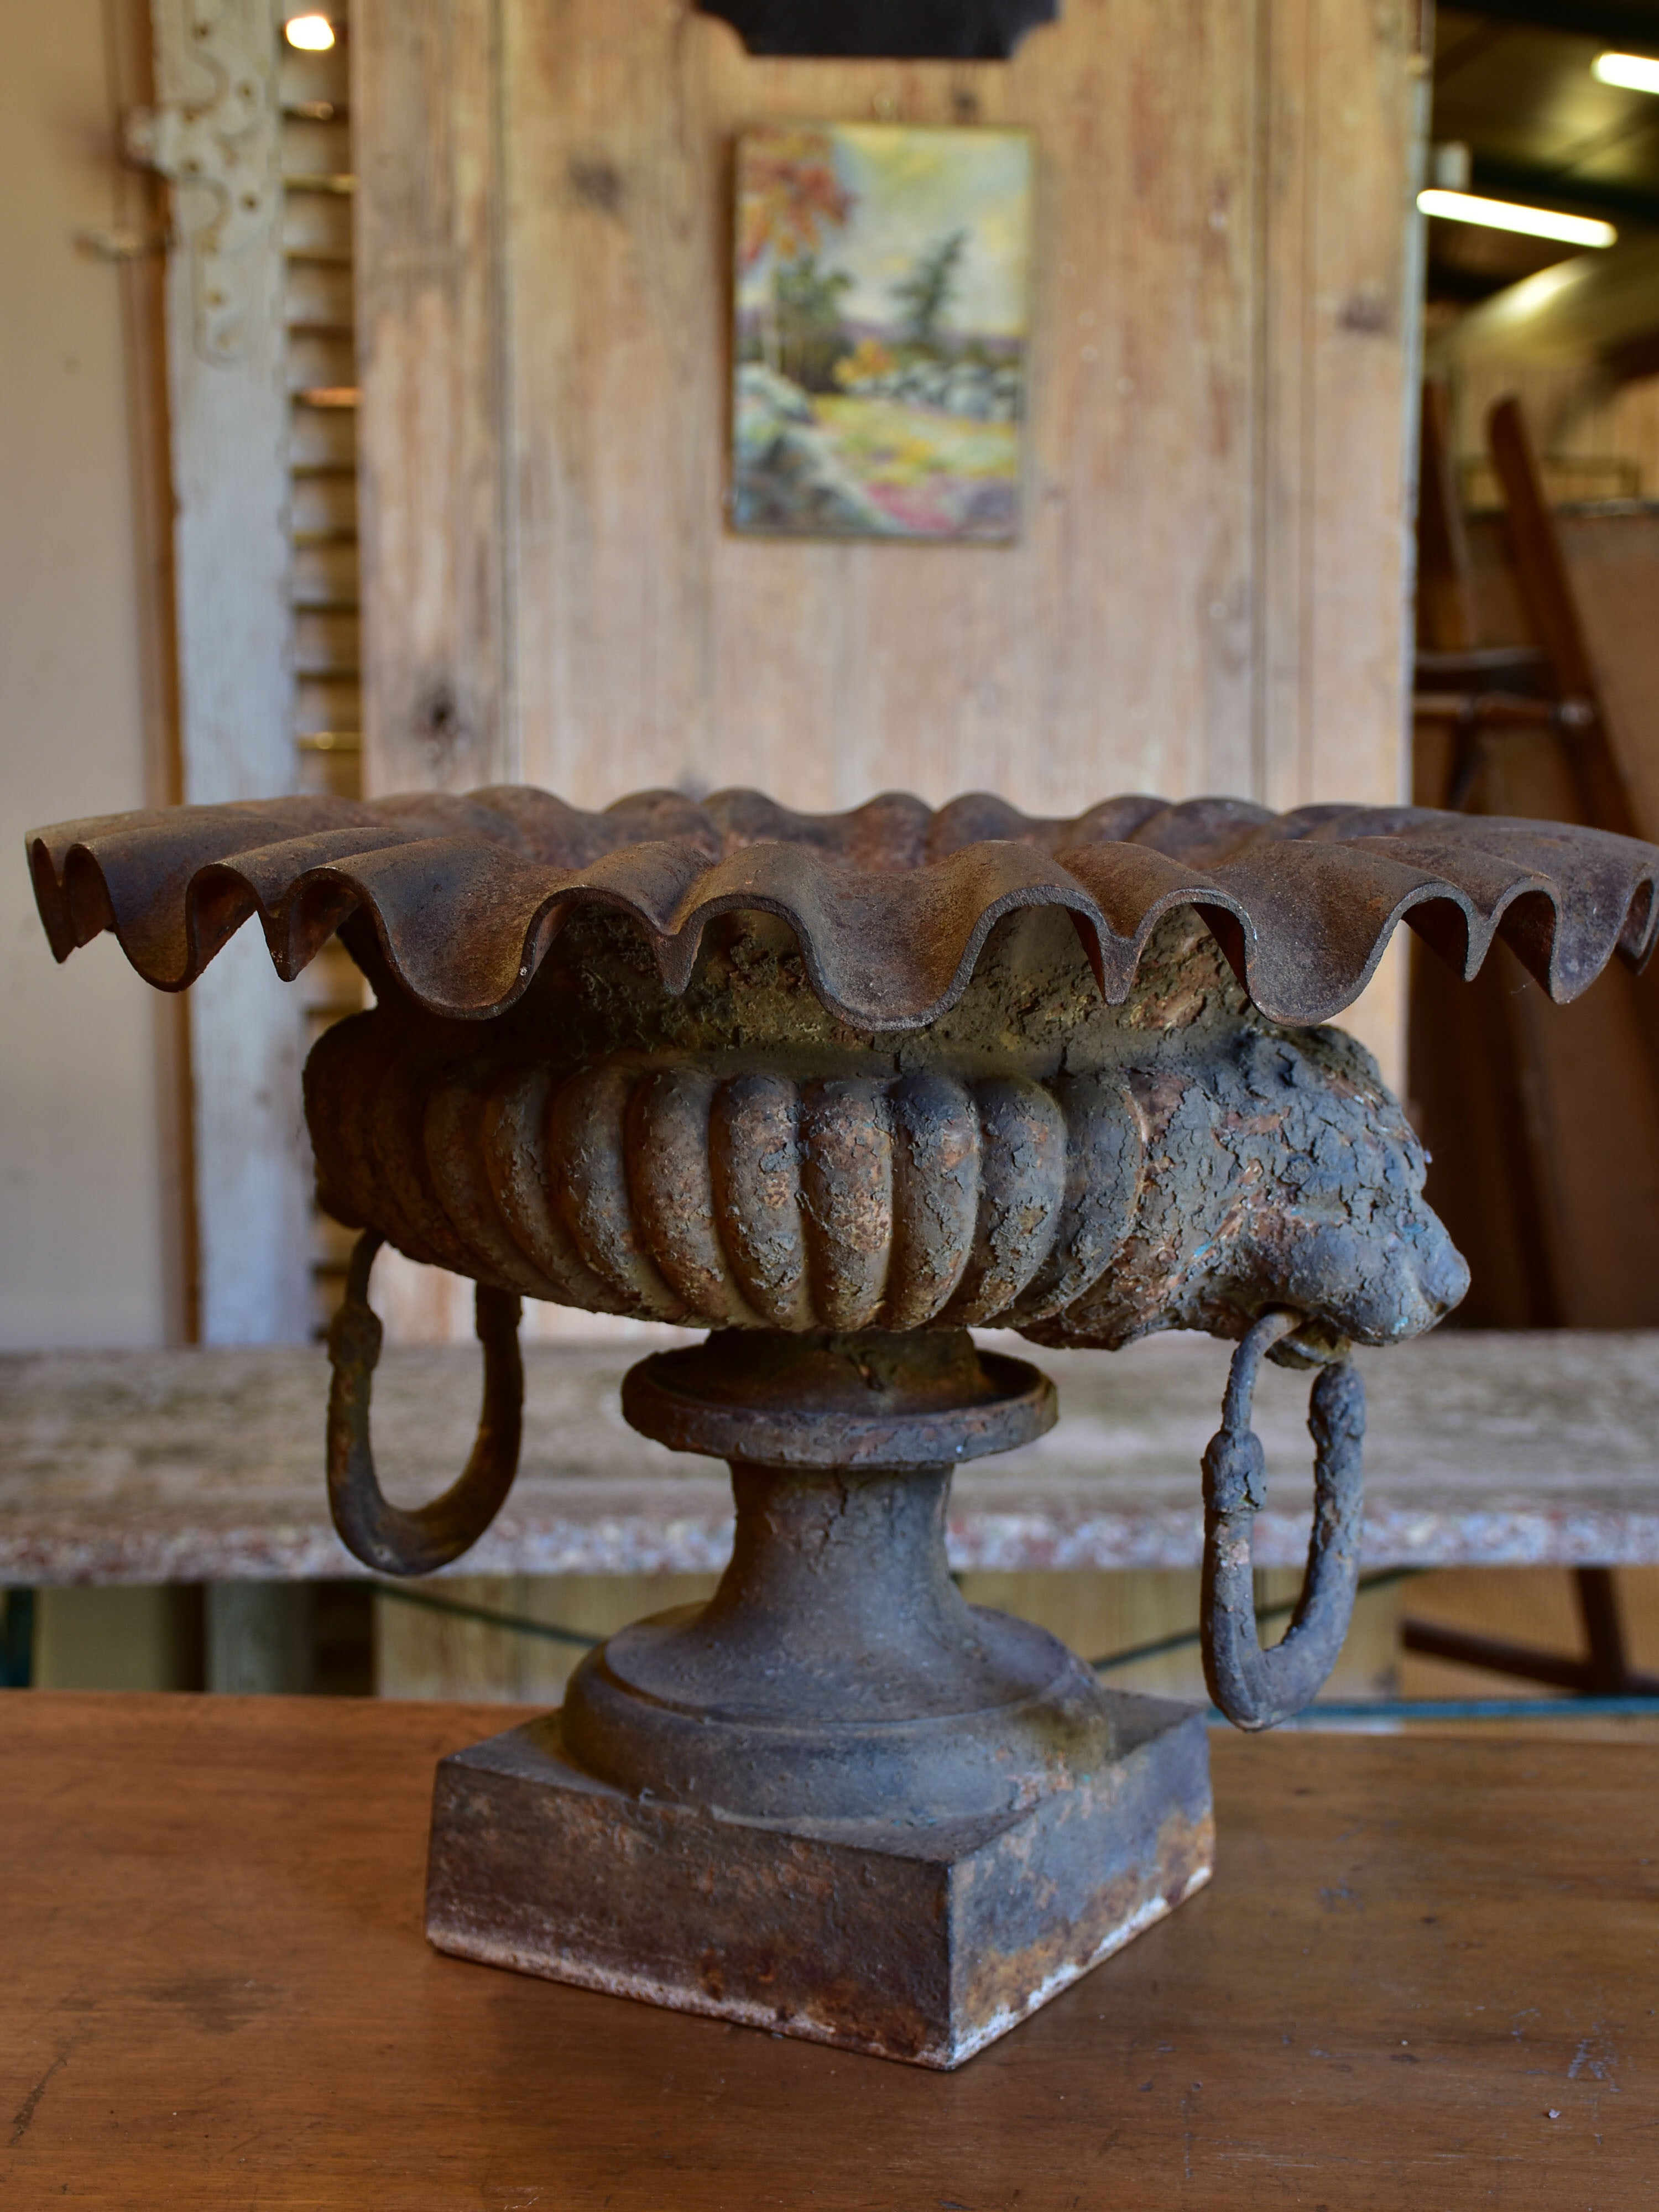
(221, 150)
(840, 1090)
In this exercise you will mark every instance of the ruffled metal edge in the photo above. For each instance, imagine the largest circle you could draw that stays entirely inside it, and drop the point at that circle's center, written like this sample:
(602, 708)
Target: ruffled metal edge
(890, 902)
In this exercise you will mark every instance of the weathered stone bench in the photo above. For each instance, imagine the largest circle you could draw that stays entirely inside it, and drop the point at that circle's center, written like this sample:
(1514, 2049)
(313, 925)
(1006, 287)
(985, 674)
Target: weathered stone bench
(206, 1466)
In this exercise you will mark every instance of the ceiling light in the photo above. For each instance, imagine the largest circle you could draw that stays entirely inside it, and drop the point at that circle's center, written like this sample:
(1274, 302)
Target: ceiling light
(1504, 215)
(312, 35)
(1635, 72)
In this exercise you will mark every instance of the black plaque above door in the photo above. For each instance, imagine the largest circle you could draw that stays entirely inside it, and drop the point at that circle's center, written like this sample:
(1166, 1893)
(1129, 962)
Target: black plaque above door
(883, 30)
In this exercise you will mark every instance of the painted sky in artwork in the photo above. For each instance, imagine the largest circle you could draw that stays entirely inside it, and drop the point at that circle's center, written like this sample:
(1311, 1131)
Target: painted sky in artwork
(912, 188)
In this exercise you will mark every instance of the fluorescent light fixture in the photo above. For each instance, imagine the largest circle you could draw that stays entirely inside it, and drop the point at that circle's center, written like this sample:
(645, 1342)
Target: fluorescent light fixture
(312, 35)
(1504, 215)
(1635, 72)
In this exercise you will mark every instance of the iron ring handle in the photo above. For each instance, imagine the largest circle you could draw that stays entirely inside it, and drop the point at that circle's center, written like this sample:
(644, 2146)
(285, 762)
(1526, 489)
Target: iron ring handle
(1256, 1689)
(383, 1536)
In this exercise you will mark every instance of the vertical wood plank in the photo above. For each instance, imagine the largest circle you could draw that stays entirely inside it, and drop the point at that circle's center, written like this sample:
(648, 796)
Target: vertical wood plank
(228, 406)
(437, 646)
(1341, 117)
(1362, 349)
(1445, 604)
(1613, 563)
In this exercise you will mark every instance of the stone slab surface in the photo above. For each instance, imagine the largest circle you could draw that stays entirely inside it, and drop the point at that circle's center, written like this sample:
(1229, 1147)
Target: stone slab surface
(1483, 1449)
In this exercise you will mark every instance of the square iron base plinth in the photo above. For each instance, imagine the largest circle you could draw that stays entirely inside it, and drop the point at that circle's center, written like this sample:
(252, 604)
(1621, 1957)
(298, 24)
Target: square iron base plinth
(916, 1941)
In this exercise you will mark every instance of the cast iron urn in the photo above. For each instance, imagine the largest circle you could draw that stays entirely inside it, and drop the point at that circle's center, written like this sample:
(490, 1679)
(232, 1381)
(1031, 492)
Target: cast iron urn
(841, 1090)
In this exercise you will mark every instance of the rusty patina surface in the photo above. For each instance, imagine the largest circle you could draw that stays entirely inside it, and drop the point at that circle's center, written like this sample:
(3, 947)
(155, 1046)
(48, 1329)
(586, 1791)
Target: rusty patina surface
(738, 1158)
(920, 1941)
(1254, 1688)
(838, 1088)
(837, 1670)
(889, 903)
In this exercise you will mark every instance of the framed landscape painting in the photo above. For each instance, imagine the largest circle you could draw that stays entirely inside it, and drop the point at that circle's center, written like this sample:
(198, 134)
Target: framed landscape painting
(879, 354)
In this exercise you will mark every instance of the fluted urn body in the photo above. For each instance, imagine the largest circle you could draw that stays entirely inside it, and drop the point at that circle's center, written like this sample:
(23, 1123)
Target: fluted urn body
(736, 1157)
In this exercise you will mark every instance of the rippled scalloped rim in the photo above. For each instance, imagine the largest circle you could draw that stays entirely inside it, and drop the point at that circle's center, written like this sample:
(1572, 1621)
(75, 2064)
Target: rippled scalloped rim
(891, 903)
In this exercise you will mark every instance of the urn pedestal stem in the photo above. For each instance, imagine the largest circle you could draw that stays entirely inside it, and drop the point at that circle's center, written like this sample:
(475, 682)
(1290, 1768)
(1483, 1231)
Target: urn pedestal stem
(836, 1800)
(837, 1673)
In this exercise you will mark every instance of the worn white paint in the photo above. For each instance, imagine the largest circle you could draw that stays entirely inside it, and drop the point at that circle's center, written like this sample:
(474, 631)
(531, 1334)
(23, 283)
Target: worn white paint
(229, 408)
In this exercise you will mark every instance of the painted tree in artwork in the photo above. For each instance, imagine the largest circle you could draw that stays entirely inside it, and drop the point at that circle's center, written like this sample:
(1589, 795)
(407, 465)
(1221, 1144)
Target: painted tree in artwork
(924, 295)
(810, 342)
(789, 200)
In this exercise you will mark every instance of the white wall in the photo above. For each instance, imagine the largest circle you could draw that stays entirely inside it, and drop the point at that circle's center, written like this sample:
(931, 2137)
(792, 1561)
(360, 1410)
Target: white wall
(81, 1201)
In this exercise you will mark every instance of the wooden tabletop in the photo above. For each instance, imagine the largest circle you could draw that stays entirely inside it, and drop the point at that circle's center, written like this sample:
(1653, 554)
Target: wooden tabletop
(1424, 1977)
(1483, 1449)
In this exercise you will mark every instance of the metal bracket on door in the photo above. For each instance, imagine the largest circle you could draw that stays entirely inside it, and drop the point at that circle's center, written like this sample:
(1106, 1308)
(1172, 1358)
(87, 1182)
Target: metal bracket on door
(222, 154)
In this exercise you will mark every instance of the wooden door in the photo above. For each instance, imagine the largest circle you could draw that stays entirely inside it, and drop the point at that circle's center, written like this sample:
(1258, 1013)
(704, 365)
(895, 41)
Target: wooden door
(1209, 590)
